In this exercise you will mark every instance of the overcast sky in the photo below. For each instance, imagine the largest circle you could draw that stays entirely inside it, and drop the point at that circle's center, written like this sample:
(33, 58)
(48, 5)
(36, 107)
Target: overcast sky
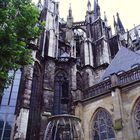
(129, 10)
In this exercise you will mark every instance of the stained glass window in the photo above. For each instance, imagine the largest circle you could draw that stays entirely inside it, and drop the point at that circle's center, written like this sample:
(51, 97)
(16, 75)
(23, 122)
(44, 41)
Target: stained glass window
(137, 118)
(61, 91)
(102, 127)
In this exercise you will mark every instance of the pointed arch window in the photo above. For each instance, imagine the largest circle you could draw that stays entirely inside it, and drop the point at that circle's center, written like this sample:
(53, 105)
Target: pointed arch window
(79, 82)
(33, 129)
(137, 118)
(102, 127)
(61, 92)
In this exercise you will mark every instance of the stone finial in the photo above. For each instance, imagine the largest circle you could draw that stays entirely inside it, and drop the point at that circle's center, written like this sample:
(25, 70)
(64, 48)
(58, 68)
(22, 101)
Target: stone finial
(89, 5)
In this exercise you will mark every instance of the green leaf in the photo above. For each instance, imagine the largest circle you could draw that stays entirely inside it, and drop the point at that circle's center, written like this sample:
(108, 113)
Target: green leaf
(18, 25)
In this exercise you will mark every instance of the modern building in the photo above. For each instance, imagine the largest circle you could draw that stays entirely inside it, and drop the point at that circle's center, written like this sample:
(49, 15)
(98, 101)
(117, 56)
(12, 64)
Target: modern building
(81, 69)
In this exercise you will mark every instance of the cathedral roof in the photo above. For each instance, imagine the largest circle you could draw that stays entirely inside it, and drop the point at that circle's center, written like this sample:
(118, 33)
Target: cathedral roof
(123, 61)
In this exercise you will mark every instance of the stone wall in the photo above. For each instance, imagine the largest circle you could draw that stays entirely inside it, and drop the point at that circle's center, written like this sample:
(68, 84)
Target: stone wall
(120, 103)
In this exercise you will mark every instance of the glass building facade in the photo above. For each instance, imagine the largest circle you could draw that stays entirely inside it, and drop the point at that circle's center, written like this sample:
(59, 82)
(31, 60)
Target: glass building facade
(7, 106)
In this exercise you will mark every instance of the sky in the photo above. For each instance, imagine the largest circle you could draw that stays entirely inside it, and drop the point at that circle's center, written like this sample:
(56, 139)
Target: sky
(128, 10)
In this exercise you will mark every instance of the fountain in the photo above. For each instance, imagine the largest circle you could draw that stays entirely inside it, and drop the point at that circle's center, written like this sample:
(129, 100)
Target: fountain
(64, 126)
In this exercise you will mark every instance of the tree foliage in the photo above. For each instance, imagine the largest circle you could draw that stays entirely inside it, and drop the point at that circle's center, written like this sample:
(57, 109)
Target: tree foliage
(19, 24)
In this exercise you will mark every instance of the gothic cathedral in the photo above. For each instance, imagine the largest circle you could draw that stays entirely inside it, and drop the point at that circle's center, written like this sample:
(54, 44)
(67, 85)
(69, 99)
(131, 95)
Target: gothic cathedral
(81, 69)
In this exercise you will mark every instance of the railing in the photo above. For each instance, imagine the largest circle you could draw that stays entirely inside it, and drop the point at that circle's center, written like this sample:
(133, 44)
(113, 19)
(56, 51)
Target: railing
(129, 77)
(97, 89)
(122, 79)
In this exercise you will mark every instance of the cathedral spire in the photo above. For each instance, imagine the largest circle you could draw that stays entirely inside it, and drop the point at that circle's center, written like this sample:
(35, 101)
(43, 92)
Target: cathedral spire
(96, 9)
(115, 25)
(120, 25)
(69, 17)
(70, 11)
(105, 19)
(89, 5)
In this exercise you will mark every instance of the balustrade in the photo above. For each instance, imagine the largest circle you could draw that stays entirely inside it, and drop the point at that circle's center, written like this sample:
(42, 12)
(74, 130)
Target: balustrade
(129, 76)
(97, 89)
(125, 78)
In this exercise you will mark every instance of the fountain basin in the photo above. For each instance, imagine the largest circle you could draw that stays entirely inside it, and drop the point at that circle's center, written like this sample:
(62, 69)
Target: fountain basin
(64, 127)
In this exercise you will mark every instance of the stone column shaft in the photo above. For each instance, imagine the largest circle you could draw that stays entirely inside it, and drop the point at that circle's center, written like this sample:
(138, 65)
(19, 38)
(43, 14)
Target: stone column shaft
(118, 108)
(21, 122)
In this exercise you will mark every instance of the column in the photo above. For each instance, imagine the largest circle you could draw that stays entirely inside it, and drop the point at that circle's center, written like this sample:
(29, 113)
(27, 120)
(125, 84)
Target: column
(118, 108)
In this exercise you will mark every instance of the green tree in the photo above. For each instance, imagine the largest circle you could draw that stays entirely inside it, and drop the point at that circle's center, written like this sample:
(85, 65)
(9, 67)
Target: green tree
(19, 24)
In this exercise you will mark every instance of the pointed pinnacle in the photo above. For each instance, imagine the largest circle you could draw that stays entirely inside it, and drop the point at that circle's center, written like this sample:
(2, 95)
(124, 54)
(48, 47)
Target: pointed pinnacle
(105, 18)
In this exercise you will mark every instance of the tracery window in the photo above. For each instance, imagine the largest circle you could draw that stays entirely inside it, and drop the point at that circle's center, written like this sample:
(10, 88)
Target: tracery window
(137, 118)
(102, 127)
(60, 92)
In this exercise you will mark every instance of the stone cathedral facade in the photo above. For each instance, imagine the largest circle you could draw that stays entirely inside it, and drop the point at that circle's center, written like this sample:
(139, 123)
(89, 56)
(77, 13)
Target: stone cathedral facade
(82, 69)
